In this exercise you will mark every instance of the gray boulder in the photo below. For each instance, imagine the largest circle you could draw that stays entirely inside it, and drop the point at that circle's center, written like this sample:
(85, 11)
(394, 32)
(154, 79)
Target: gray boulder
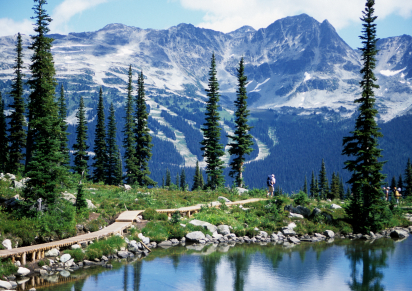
(69, 197)
(335, 206)
(65, 273)
(69, 263)
(223, 198)
(223, 229)
(144, 239)
(263, 234)
(316, 211)
(166, 243)
(298, 210)
(274, 237)
(288, 232)
(241, 190)
(204, 224)
(75, 247)
(122, 254)
(195, 236)
(21, 271)
(64, 258)
(90, 205)
(295, 215)
(399, 233)
(329, 233)
(17, 184)
(7, 244)
(5, 285)
(293, 239)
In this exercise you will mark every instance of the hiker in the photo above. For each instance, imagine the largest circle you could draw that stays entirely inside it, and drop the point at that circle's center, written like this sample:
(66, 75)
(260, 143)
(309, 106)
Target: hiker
(397, 194)
(386, 193)
(269, 183)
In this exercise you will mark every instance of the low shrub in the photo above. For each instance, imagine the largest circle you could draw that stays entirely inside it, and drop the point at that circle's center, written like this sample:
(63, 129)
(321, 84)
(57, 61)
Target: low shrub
(161, 216)
(7, 268)
(301, 198)
(78, 254)
(42, 263)
(149, 214)
(105, 247)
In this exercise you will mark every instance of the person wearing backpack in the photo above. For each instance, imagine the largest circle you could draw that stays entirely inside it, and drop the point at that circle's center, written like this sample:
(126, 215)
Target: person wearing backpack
(270, 186)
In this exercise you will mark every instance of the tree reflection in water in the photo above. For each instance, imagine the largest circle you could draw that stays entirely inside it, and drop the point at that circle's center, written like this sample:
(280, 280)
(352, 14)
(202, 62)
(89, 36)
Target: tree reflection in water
(367, 259)
(208, 265)
(137, 273)
(239, 262)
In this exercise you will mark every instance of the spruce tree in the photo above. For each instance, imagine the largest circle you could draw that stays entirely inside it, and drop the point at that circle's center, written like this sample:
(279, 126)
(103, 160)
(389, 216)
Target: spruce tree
(17, 133)
(393, 183)
(80, 155)
(43, 156)
(81, 202)
(177, 180)
(196, 177)
(313, 190)
(242, 142)
(334, 187)
(100, 147)
(119, 170)
(408, 179)
(168, 178)
(142, 137)
(4, 147)
(183, 180)
(211, 147)
(129, 142)
(400, 183)
(341, 189)
(64, 148)
(323, 182)
(367, 210)
(305, 186)
(112, 150)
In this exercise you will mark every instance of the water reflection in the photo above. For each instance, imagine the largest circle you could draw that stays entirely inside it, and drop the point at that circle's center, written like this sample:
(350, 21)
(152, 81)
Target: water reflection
(341, 265)
(367, 261)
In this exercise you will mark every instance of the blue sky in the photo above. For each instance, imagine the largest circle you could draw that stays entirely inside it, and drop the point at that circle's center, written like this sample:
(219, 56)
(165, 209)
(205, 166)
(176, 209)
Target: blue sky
(394, 16)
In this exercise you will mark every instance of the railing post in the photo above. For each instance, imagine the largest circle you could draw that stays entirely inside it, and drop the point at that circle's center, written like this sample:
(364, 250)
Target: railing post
(23, 259)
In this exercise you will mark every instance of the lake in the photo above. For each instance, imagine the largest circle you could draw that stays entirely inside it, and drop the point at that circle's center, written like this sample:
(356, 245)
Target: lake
(384, 264)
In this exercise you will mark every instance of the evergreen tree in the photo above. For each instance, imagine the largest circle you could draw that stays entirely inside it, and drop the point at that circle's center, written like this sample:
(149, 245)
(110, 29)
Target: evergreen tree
(400, 183)
(183, 180)
(163, 182)
(4, 147)
(305, 186)
(367, 209)
(142, 136)
(80, 156)
(81, 202)
(177, 180)
(393, 183)
(17, 133)
(313, 190)
(212, 149)
(408, 179)
(341, 189)
(201, 180)
(100, 147)
(129, 142)
(64, 148)
(242, 142)
(323, 182)
(112, 150)
(168, 178)
(196, 177)
(334, 188)
(44, 160)
(119, 170)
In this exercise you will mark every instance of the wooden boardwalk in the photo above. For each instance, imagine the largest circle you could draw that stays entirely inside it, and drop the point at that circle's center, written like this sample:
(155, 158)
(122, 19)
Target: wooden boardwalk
(123, 222)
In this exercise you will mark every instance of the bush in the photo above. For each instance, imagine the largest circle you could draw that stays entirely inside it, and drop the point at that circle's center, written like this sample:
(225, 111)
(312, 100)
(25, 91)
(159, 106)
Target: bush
(301, 198)
(7, 268)
(162, 216)
(42, 263)
(105, 247)
(149, 214)
(78, 255)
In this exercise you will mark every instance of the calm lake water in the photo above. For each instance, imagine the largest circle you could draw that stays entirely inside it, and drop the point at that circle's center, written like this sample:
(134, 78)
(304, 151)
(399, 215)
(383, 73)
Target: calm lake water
(384, 264)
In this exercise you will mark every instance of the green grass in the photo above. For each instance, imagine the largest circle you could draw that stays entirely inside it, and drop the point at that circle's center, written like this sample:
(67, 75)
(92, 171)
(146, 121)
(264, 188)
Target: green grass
(7, 268)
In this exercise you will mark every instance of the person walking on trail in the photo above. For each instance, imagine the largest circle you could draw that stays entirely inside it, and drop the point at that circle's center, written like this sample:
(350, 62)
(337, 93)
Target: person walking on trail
(386, 189)
(271, 184)
(397, 194)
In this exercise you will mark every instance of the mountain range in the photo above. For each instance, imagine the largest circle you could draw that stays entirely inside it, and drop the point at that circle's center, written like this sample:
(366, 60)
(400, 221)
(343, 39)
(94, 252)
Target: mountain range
(296, 66)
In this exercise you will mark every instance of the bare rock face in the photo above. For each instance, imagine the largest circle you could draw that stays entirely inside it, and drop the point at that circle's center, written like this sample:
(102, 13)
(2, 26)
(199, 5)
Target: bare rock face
(397, 233)
(329, 234)
(195, 236)
(7, 244)
(223, 229)
(23, 271)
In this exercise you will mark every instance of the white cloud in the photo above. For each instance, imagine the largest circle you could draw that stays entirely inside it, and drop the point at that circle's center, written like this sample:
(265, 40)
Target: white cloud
(11, 27)
(229, 15)
(66, 10)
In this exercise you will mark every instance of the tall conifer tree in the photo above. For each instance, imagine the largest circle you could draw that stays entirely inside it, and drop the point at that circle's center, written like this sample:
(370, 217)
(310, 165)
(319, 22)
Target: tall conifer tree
(17, 133)
(129, 142)
(100, 148)
(211, 147)
(4, 146)
(183, 180)
(64, 148)
(313, 190)
(242, 142)
(305, 186)
(408, 179)
(168, 178)
(119, 171)
(323, 182)
(112, 150)
(80, 156)
(142, 136)
(367, 210)
(196, 177)
(43, 156)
